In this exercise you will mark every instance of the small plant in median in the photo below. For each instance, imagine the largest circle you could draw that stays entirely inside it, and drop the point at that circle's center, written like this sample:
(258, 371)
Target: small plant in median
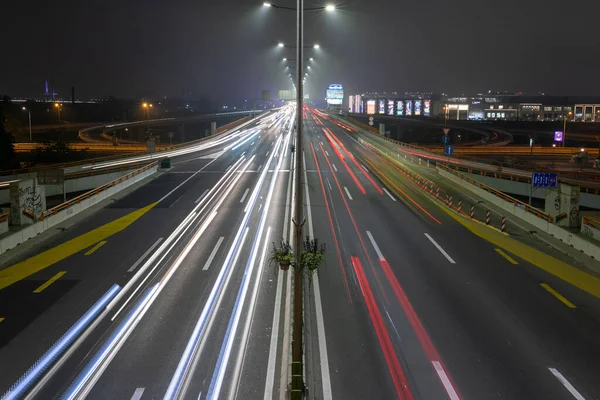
(313, 254)
(282, 255)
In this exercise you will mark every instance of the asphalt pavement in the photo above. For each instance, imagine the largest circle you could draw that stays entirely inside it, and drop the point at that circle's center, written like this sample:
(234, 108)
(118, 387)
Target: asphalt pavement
(462, 319)
(411, 301)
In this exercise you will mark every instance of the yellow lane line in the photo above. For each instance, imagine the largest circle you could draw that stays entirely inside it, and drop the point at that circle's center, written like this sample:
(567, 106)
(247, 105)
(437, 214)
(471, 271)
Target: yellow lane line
(96, 247)
(576, 277)
(49, 257)
(50, 282)
(508, 258)
(1, 319)
(558, 296)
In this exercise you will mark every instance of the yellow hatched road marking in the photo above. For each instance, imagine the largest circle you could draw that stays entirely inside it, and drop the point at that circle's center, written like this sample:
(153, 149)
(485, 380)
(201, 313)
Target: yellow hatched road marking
(96, 247)
(558, 296)
(508, 258)
(50, 282)
(37, 263)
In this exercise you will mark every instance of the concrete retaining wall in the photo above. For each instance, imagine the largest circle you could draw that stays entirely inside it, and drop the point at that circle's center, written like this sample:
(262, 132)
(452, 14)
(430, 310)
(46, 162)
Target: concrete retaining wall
(25, 234)
(73, 185)
(564, 235)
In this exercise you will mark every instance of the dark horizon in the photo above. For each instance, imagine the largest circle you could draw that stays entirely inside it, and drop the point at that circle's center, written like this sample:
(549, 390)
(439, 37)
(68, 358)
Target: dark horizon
(228, 49)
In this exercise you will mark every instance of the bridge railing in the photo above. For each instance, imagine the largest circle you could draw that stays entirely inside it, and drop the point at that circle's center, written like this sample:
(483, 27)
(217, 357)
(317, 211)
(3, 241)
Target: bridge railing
(86, 195)
(518, 203)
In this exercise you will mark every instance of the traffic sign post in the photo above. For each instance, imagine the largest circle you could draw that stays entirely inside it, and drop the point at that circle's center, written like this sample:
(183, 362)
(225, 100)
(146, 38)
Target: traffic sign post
(446, 130)
(448, 150)
(542, 180)
(445, 139)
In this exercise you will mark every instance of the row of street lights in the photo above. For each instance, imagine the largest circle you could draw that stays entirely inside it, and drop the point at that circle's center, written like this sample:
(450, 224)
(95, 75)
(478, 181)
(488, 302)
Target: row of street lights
(298, 387)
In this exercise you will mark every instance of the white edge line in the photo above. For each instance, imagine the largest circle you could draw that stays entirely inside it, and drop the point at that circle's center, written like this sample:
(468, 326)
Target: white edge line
(445, 381)
(372, 239)
(143, 257)
(213, 254)
(389, 194)
(566, 384)
(440, 249)
(347, 192)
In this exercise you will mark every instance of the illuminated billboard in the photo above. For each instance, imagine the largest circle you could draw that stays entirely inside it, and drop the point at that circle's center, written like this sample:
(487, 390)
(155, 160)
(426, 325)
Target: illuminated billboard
(335, 95)
(418, 107)
(358, 103)
(400, 108)
(351, 107)
(408, 107)
(381, 106)
(427, 108)
(390, 107)
(371, 107)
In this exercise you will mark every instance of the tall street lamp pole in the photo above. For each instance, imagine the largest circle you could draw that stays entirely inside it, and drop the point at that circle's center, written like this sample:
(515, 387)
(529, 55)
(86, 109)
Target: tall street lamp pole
(297, 369)
(29, 111)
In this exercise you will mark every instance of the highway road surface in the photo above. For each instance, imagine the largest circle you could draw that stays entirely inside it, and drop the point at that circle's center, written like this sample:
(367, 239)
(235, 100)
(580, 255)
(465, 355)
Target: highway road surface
(412, 302)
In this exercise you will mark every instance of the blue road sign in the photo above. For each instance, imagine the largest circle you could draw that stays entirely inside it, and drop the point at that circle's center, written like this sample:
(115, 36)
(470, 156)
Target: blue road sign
(544, 179)
(445, 139)
(448, 150)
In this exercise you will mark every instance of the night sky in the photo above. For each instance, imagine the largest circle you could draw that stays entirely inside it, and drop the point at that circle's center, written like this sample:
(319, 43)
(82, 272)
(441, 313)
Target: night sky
(227, 48)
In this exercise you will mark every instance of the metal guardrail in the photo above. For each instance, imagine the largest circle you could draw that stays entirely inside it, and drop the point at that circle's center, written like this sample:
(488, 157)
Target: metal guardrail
(86, 195)
(535, 211)
(497, 169)
(591, 222)
(4, 217)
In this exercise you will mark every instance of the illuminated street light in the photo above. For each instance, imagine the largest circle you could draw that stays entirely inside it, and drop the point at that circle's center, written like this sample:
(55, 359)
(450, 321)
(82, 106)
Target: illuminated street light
(316, 46)
(265, 4)
(29, 111)
(309, 67)
(285, 59)
(311, 59)
(281, 44)
(330, 7)
(58, 107)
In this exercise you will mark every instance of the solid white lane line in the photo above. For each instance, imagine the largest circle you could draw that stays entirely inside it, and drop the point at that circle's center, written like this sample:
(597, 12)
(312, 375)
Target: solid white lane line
(566, 384)
(347, 192)
(143, 257)
(440, 249)
(327, 153)
(324, 357)
(244, 196)
(213, 254)
(137, 395)
(445, 381)
(372, 239)
(334, 167)
(201, 197)
(270, 382)
(389, 194)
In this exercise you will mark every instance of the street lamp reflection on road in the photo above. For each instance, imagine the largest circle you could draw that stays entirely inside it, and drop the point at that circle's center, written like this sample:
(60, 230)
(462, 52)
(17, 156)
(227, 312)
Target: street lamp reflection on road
(58, 107)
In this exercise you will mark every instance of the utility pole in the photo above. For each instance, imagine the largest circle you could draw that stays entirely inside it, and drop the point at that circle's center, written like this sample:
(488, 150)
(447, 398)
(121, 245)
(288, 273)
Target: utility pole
(297, 347)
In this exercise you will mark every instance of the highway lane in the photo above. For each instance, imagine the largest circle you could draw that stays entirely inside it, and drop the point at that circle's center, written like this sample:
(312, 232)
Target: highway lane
(497, 331)
(163, 335)
(88, 277)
